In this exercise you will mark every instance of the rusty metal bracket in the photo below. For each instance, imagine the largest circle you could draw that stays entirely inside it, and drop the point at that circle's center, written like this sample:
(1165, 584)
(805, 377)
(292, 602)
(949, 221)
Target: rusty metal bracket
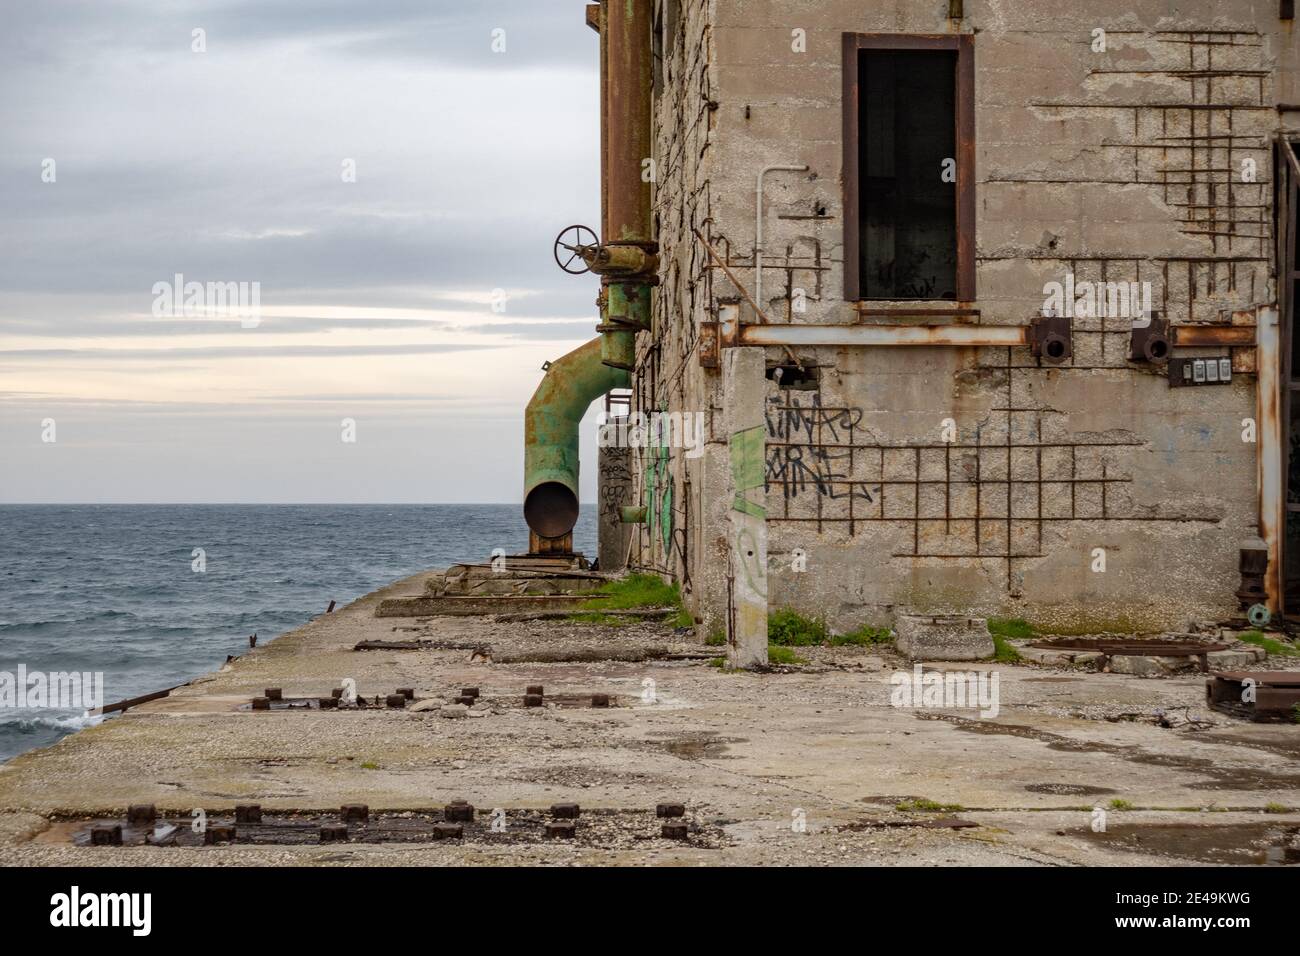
(1050, 338)
(708, 347)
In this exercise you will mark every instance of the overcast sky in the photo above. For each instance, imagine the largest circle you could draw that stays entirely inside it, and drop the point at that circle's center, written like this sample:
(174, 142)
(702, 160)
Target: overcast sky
(229, 166)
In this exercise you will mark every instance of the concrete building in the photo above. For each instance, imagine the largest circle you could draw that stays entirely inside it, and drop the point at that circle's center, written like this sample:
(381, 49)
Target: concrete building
(979, 306)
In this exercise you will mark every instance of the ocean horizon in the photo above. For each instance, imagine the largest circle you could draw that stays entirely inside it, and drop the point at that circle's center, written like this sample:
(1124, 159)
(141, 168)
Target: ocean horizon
(154, 595)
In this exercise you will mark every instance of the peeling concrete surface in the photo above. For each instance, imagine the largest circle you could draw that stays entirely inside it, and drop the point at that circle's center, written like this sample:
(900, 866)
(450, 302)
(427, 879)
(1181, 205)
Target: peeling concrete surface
(743, 751)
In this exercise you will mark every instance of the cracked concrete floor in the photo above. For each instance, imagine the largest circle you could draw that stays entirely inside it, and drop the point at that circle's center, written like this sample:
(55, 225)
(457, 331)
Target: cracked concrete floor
(748, 753)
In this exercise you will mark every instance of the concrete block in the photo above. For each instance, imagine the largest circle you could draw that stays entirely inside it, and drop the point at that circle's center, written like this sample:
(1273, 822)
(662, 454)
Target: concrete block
(1232, 659)
(943, 637)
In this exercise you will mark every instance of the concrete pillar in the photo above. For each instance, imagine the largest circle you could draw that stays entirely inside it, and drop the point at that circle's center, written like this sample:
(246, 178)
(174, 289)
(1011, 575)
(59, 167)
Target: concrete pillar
(744, 387)
(613, 490)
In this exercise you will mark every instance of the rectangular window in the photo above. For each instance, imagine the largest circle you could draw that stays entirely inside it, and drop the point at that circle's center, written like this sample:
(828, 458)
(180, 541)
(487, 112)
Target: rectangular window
(909, 152)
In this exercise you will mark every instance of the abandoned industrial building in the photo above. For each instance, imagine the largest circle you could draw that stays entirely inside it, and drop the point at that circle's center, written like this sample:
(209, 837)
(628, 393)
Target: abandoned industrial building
(984, 308)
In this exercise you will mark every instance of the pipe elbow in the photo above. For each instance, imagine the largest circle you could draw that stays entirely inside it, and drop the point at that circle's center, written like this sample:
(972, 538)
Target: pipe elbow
(551, 423)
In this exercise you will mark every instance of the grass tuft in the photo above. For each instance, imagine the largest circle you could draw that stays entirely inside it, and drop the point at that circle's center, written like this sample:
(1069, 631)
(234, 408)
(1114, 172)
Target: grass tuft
(1118, 804)
(1010, 628)
(629, 593)
(864, 636)
(788, 628)
(1270, 644)
(777, 654)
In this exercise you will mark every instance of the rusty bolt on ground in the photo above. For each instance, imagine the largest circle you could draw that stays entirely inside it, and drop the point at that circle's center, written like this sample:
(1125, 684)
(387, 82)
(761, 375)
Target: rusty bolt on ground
(600, 700)
(354, 813)
(333, 833)
(106, 835)
(565, 811)
(670, 810)
(274, 693)
(561, 830)
(674, 831)
(248, 813)
(532, 700)
(219, 833)
(141, 814)
(395, 701)
(448, 831)
(261, 703)
(459, 811)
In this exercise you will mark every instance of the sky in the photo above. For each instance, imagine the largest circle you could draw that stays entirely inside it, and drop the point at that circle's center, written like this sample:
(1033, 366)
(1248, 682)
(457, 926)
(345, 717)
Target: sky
(391, 183)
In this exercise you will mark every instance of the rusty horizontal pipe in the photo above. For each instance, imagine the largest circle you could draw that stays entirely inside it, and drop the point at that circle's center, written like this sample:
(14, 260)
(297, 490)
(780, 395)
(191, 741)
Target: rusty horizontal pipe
(874, 335)
(1206, 336)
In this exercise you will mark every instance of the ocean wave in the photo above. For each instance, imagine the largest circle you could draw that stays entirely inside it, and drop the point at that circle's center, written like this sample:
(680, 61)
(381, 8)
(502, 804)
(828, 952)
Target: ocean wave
(34, 722)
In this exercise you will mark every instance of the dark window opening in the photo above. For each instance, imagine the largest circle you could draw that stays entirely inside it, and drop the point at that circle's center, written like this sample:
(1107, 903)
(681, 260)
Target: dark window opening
(792, 376)
(907, 165)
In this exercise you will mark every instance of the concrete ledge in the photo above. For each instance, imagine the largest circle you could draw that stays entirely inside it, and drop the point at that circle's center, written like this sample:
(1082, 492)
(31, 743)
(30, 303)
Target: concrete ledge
(943, 637)
(449, 605)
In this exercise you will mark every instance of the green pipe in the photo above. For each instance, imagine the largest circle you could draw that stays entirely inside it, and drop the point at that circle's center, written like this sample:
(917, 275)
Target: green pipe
(551, 422)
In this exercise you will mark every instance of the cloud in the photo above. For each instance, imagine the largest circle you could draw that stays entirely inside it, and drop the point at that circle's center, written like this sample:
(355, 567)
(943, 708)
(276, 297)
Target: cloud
(227, 166)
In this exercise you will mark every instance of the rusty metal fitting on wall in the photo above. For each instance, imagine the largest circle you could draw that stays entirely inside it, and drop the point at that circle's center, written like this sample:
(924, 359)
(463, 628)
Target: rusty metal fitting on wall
(1050, 338)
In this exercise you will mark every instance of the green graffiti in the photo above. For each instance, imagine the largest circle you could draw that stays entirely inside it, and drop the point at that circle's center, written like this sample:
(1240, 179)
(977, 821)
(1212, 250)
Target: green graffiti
(747, 470)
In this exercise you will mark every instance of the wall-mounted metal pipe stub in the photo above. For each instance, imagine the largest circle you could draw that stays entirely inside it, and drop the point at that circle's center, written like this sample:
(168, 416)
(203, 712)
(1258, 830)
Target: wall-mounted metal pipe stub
(621, 260)
(551, 422)
(632, 514)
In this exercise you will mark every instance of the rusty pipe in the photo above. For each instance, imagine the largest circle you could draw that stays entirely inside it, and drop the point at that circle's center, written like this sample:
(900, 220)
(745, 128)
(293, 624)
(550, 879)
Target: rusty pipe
(734, 333)
(627, 60)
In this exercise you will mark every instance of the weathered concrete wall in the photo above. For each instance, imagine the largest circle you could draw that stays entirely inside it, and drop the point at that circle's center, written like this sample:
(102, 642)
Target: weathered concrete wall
(683, 489)
(1123, 165)
(613, 489)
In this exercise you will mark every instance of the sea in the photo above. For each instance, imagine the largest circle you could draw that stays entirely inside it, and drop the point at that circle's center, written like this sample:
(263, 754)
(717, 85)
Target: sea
(151, 596)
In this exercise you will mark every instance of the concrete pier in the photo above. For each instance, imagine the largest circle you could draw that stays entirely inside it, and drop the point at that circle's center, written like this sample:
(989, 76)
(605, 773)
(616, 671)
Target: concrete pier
(741, 751)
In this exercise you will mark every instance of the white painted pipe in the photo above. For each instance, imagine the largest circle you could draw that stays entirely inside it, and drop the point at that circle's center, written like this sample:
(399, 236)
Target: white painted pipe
(758, 227)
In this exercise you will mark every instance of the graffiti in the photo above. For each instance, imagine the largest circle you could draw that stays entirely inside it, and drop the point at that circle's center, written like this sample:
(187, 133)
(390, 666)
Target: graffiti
(804, 456)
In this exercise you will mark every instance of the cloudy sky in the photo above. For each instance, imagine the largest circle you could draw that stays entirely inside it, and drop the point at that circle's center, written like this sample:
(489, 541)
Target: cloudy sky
(230, 165)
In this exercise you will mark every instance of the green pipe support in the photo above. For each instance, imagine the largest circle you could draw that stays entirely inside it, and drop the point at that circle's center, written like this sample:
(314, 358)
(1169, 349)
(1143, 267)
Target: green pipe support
(551, 422)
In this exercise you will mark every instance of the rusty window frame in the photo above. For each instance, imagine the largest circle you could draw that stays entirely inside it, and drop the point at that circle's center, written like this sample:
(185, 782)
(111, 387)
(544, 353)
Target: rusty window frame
(964, 46)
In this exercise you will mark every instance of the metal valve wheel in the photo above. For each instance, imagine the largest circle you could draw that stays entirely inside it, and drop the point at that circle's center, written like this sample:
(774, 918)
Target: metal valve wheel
(578, 244)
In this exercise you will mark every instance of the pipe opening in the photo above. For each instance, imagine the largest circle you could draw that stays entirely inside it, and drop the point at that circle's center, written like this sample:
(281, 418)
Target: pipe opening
(551, 509)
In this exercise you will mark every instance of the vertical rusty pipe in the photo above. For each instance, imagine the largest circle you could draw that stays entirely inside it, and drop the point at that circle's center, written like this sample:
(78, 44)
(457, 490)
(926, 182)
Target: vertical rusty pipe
(627, 84)
(626, 105)
(1268, 398)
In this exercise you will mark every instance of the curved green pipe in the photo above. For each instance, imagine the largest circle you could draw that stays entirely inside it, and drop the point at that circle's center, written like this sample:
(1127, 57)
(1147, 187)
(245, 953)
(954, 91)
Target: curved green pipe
(551, 421)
